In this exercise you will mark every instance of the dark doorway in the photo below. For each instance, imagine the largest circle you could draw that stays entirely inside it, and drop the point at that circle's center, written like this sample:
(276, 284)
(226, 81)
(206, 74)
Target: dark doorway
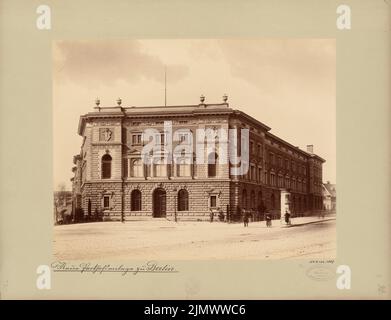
(159, 203)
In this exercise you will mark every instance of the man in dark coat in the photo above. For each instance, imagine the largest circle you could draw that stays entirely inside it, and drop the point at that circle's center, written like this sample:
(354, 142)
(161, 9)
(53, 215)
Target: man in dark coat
(268, 218)
(211, 215)
(287, 217)
(245, 218)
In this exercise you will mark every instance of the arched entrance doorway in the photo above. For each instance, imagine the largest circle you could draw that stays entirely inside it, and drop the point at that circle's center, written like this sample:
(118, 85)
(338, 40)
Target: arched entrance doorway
(159, 203)
(273, 201)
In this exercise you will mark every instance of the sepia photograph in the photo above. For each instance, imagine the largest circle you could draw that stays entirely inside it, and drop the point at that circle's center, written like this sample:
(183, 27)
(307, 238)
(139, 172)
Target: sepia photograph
(194, 149)
(195, 157)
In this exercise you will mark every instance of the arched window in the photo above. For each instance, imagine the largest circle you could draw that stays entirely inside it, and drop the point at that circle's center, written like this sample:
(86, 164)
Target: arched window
(212, 164)
(244, 199)
(183, 200)
(135, 200)
(106, 166)
(160, 168)
(137, 168)
(273, 201)
(253, 200)
(184, 166)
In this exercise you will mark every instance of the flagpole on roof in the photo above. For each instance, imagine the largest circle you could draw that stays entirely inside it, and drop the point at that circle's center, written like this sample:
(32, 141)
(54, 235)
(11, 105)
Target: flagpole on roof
(165, 86)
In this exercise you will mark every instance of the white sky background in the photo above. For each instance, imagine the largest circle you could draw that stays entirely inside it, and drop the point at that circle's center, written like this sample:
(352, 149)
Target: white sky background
(288, 84)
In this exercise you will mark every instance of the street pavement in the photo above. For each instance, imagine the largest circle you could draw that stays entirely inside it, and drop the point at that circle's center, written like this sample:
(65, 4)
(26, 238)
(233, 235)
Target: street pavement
(307, 237)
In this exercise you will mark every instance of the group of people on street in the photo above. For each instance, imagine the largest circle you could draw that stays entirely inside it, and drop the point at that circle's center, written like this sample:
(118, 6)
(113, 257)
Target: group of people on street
(321, 214)
(246, 214)
(268, 218)
(246, 218)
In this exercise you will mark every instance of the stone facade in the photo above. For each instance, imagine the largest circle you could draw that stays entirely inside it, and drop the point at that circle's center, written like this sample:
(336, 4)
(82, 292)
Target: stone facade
(329, 196)
(110, 178)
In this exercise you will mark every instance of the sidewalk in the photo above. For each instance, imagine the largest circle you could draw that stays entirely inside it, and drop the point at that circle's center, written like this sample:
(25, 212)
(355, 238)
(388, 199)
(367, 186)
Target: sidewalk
(299, 221)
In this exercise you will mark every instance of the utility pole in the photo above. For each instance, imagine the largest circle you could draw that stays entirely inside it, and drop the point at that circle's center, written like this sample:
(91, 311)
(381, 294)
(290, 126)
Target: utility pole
(165, 86)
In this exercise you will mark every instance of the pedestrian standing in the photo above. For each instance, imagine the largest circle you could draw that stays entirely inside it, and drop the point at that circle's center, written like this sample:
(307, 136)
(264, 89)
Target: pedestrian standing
(245, 218)
(287, 218)
(268, 219)
(211, 215)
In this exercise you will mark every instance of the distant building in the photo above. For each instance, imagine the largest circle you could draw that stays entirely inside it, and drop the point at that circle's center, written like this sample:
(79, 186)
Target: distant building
(329, 196)
(63, 210)
(111, 178)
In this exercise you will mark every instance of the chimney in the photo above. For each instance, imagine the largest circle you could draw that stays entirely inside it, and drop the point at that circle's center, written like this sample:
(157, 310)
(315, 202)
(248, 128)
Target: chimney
(310, 148)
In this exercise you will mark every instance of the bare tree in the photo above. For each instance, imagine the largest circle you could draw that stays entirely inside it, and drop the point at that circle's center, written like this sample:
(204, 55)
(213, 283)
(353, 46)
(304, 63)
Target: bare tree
(59, 200)
(61, 192)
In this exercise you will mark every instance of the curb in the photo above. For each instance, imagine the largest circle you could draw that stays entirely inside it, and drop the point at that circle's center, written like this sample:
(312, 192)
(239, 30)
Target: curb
(311, 222)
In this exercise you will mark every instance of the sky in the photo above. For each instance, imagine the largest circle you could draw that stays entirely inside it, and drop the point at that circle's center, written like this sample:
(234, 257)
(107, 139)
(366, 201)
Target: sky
(288, 84)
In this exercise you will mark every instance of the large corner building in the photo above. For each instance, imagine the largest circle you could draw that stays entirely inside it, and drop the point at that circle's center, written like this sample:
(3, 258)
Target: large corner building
(111, 178)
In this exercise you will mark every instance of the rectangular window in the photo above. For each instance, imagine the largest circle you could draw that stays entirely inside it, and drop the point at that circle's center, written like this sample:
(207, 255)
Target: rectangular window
(125, 167)
(272, 179)
(106, 202)
(260, 150)
(213, 201)
(251, 147)
(160, 138)
(184, 137)
(136, 168)
(160, 168)
(136, 139)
